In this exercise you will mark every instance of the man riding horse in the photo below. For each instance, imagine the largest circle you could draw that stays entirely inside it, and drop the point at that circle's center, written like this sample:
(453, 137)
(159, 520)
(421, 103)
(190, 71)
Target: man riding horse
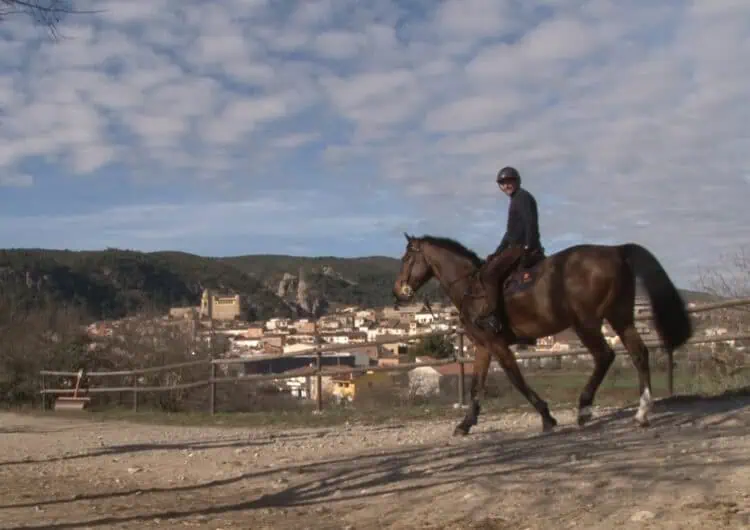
(520, 246)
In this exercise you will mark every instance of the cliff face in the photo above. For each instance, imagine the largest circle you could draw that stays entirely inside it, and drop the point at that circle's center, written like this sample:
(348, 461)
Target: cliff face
(287, 284)
(299, 292)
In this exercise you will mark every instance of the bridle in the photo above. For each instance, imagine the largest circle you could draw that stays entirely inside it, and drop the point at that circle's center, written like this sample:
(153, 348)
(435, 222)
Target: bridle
(467, 293)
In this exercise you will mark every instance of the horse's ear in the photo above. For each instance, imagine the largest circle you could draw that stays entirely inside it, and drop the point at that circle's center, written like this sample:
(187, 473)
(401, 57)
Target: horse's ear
(408, 237)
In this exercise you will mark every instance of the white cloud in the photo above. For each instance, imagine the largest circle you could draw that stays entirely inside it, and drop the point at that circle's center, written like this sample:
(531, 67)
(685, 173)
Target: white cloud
(292, 141)
(472, 113)
(606, 107)
(20, 180)
(338, 44)
(471, 19)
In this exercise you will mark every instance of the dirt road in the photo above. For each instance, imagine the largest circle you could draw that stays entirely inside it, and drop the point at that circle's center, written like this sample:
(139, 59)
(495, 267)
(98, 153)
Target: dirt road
(691, 469)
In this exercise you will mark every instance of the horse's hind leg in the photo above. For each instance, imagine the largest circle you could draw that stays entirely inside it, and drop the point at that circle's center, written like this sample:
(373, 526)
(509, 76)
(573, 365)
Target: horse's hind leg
(507, 361)
(638, 351)
(592, 338)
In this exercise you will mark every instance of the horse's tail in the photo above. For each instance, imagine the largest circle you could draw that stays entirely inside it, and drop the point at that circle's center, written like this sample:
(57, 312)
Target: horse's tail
(670, 314)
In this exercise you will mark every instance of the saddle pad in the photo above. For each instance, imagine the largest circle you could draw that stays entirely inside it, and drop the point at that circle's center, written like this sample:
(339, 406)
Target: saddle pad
(521, 279)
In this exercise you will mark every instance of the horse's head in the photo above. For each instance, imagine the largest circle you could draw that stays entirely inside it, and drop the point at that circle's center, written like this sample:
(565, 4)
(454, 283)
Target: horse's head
(415, 270)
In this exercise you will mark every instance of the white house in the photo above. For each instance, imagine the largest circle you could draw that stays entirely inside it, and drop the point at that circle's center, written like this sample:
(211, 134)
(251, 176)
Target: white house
(372, 333)
(240, 346)
(297, 347)
(277, 323)
(440, 326)
(361, 318)
(424, 318)
(336, 338)
(426, 380)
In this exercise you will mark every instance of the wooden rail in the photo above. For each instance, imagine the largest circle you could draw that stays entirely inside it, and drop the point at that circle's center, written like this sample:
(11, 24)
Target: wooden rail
(319, 373)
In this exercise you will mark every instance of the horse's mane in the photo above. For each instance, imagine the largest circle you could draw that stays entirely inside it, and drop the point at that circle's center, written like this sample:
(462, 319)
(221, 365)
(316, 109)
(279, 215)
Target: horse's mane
(452, 245)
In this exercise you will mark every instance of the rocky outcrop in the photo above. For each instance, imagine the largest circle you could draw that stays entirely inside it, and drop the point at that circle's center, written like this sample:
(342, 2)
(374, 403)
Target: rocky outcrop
(303, 291)
(331, 273)
(298, 291)
(287, 285)
(308, 300)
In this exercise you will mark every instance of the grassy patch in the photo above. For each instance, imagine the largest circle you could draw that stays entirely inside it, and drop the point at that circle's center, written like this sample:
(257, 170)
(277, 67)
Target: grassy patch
(303, 417)
(559, 388)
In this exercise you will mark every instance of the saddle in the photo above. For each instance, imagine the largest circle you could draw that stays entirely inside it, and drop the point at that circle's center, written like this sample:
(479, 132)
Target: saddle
(521, 277)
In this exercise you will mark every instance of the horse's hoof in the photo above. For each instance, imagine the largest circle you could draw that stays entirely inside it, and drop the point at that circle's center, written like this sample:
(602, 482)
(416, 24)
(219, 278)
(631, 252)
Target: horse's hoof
(460, 431)
(642, 423)
(549, 424)
(584, 416)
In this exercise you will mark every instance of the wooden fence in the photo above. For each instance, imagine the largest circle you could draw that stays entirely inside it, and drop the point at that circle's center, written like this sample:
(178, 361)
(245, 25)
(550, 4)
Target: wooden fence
(317, 372)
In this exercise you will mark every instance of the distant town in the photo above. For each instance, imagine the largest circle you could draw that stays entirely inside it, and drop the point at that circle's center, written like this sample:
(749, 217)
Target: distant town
(285, 345)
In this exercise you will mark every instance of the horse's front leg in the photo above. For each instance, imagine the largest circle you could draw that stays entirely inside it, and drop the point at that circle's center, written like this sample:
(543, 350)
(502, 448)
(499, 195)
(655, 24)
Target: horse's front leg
(508, 362)
(478, 383)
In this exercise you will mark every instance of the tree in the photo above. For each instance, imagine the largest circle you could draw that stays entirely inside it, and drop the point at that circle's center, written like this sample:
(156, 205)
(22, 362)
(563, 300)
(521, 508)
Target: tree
(730, 279)
(36, 338)
(438, 346)
(47, 13)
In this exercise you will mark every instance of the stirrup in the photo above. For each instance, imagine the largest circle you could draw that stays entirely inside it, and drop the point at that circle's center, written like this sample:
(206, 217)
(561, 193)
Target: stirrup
(489, 323)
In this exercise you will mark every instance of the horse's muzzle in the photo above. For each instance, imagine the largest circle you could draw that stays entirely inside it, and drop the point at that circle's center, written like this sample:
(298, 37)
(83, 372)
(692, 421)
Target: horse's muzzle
(403, 292)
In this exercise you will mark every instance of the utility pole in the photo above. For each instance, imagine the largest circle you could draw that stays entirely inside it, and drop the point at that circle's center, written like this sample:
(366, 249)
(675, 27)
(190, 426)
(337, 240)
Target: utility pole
(319, 366)
(212, 386)
(210, 309)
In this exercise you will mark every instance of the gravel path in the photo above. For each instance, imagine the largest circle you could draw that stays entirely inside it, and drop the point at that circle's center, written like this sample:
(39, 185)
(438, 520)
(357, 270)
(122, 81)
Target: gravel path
(690, 470)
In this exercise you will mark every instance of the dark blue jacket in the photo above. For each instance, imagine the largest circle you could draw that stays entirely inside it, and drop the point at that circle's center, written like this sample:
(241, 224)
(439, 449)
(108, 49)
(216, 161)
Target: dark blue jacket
(523, 222)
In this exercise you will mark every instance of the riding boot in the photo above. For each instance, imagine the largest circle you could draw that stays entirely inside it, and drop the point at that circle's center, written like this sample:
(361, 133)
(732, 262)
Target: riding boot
(489, 322)
(491, 277)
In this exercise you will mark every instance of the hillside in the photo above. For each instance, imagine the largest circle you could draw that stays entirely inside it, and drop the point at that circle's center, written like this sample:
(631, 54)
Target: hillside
(327, 281)
(112, 283)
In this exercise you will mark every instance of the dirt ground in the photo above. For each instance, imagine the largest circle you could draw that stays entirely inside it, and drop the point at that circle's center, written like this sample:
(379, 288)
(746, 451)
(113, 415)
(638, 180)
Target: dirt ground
(690, 469)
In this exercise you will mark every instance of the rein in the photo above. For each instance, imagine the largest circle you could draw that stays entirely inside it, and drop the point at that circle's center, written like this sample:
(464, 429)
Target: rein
(467, 292)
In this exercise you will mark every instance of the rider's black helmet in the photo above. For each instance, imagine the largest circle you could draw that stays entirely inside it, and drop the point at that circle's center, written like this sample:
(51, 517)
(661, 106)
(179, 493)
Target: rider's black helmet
(508, 173)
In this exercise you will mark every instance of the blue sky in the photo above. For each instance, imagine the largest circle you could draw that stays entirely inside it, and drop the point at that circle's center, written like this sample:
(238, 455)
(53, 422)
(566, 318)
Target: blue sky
(330, 127)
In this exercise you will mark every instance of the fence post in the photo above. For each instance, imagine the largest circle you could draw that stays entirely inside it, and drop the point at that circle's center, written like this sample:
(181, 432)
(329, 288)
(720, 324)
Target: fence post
(319, 380)
(212, 388)
(318, 369)
(44, 394)
(212, 355)
(670, 373)
(461, 370)
(135, 392)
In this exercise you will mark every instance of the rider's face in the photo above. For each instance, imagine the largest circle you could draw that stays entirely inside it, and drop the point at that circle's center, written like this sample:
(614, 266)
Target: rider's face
(508, 186)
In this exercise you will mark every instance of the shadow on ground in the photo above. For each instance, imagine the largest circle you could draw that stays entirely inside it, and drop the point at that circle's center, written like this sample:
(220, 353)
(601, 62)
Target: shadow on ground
(157, 446)
(610, 449)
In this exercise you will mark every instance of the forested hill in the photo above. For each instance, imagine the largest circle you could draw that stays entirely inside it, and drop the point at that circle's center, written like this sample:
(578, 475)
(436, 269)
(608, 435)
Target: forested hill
(112, 283)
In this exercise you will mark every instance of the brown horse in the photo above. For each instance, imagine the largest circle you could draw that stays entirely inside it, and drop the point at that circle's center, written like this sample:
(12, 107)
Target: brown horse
(578, 287)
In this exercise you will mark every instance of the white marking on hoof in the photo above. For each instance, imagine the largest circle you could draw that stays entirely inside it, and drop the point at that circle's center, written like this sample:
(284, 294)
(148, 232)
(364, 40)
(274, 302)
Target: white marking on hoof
(585, 414)
(645, 407)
